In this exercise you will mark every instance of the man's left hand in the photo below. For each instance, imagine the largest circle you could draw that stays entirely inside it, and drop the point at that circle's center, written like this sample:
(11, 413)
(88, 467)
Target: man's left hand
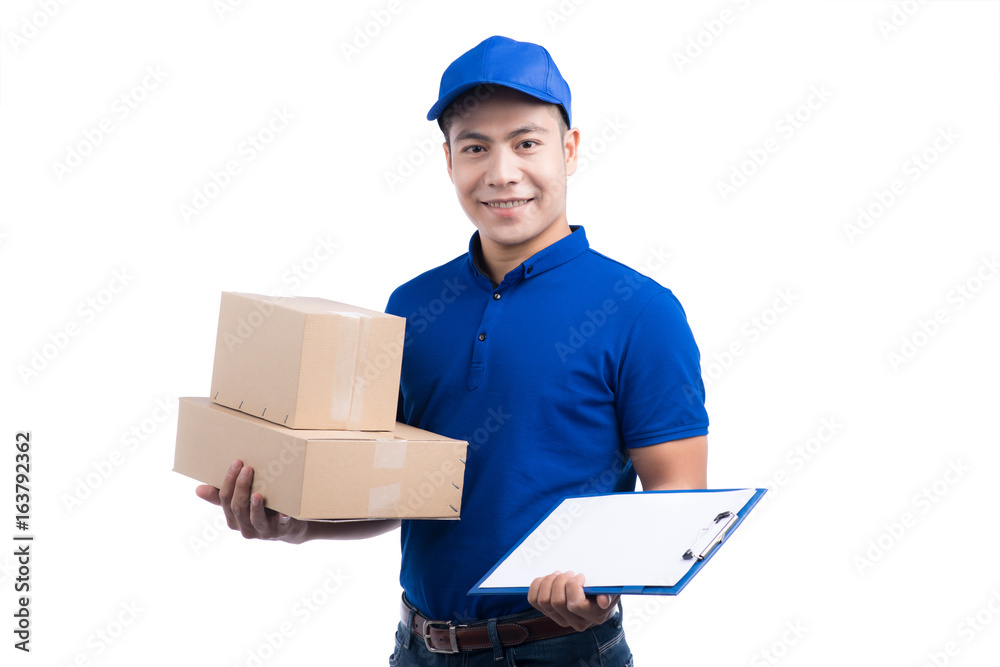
(560, 596)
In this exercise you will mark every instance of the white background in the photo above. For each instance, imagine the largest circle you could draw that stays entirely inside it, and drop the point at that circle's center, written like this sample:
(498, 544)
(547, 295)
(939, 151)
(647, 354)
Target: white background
(845, 562)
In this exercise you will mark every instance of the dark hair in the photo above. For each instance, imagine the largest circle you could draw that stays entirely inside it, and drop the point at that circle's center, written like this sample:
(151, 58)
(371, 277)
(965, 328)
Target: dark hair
(469, 101)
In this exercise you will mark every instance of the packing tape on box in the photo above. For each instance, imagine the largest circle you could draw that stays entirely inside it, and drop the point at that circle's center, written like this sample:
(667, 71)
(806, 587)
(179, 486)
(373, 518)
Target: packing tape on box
(383, 500)
(358, 395)
(348, 394)
(389, 454)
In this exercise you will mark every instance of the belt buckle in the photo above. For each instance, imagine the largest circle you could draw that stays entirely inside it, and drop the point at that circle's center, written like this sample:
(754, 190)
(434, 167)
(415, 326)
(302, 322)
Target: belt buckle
(451, 635)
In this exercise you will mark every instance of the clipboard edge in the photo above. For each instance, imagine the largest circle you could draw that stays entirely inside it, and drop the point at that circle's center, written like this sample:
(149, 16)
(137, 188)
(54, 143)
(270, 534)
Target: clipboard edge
(617, 590)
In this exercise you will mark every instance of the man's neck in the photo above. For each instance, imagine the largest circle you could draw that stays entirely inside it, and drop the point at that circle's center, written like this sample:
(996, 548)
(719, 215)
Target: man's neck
(496, 259)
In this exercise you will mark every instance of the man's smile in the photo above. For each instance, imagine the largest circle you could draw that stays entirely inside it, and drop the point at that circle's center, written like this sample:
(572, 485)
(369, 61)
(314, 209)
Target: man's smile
(508, 203)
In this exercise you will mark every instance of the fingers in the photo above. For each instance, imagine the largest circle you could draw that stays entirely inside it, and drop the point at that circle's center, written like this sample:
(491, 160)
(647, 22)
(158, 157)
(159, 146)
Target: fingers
(209, 493)
(226, 493)
(246, 512)
(579, 609)
(258, 517)
(576, 600)
(605, 601)
(539, 592)
(240, 505)
(556, 607)
(561, 597)
(550, 597)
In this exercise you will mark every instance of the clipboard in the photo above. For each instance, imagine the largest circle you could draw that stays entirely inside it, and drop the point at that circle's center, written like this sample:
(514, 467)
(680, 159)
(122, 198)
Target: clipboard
(632, 543)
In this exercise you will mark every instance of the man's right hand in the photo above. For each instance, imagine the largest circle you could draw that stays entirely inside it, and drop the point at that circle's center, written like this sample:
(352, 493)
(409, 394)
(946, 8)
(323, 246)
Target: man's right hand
(246, 513)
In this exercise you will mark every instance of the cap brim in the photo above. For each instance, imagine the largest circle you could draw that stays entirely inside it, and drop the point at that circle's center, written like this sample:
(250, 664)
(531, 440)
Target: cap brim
(452, 94)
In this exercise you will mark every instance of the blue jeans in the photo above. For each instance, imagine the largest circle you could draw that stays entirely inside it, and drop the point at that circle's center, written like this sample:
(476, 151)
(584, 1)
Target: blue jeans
(600, 646)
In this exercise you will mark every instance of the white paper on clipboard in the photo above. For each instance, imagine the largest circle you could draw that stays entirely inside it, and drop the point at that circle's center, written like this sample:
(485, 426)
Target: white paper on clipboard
(620, 540)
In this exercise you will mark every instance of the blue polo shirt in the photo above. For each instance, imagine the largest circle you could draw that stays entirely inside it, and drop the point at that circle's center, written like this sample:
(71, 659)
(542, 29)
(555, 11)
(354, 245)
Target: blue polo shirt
(550, 376)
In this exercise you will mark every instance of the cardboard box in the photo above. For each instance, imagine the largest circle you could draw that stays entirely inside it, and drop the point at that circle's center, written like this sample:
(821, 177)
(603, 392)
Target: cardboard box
(308, 363)
(323, 474)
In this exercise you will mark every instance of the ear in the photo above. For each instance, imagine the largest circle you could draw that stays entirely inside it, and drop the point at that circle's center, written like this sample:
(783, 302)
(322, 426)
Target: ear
(447, 159)
(571, 149)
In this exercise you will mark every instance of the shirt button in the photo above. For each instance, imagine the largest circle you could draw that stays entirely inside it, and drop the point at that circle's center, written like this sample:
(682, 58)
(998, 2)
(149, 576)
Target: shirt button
(496, 296)
(530, 268)
(482, 336)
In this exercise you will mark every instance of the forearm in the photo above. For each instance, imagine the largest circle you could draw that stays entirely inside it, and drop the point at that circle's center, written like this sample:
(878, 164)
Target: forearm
(676, 486)
(344, 530)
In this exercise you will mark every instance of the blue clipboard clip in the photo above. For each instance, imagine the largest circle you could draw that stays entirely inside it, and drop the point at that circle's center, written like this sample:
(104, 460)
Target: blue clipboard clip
(714, 532)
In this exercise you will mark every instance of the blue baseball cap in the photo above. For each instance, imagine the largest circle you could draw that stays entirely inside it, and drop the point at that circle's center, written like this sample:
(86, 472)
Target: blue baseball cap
(503, 61)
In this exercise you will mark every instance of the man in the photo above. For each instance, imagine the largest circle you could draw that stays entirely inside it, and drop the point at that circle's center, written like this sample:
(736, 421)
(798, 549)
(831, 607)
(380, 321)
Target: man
(566, 372)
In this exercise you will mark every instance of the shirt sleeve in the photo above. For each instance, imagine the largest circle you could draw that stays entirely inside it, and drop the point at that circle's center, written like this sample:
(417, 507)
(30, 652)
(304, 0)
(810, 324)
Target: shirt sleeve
(660, 395)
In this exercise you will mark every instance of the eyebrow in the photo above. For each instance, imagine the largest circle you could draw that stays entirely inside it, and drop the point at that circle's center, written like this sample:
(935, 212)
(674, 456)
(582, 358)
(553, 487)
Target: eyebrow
(479, 136)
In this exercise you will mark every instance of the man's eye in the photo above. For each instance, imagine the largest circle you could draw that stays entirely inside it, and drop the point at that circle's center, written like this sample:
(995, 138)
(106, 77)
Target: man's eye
(529, 143)
(473, 149)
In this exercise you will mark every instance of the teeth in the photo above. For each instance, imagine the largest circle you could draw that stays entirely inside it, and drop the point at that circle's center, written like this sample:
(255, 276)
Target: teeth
(507, 204)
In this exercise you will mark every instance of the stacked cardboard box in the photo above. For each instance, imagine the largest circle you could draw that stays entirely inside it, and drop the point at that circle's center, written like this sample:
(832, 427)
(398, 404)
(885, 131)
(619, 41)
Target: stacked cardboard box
(304, 391)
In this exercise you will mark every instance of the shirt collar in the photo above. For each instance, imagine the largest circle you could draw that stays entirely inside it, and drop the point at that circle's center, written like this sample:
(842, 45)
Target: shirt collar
(547, 258)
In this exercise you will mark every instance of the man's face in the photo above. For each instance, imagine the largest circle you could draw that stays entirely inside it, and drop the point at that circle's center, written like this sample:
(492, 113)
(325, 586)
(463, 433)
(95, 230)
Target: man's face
(509, 165)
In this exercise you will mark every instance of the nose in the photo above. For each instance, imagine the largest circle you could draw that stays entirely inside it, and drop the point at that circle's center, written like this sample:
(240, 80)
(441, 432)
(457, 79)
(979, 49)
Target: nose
(503, 169)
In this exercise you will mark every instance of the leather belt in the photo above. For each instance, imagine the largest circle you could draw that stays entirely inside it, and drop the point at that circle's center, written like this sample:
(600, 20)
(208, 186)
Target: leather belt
(444, 637)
